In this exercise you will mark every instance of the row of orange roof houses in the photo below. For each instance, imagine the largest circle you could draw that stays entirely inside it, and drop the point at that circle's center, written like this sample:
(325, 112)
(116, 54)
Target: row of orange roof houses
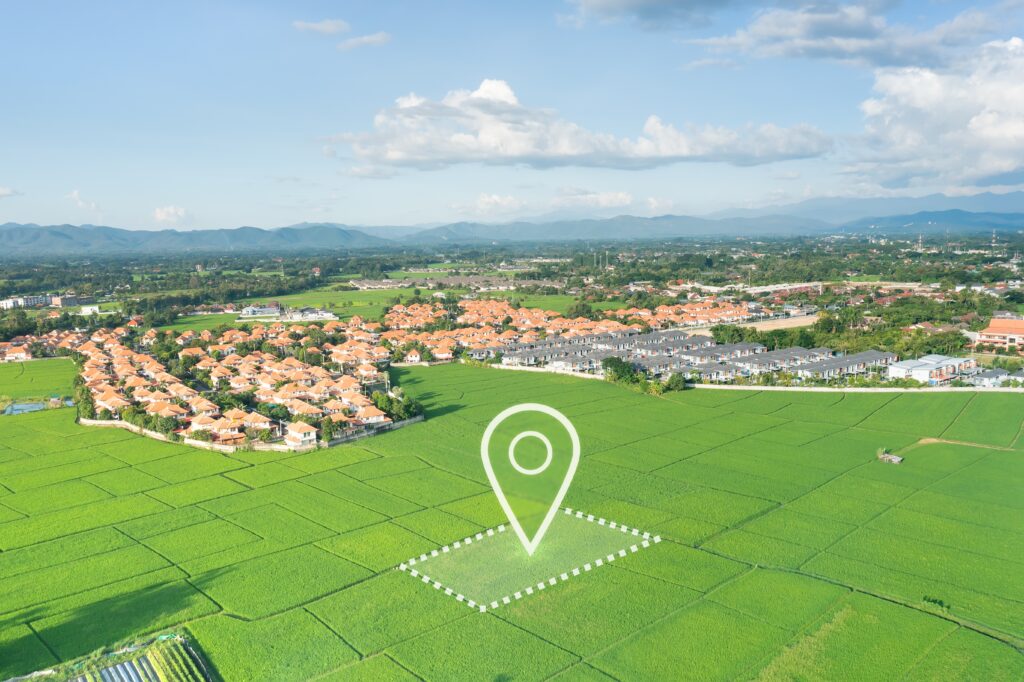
(10, 352)
(691, 314)
(118, 377)
(482, 319)
(486, 312)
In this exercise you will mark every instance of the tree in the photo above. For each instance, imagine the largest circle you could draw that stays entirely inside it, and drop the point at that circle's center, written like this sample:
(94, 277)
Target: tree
(261, 435)
(580, 309)
(619, 371)
(327, 429)
(676, 382)
(166, 425)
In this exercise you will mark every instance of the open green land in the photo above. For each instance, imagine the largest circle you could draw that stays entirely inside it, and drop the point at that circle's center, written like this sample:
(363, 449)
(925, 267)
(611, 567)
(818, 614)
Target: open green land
(557, 302)
(201, 322)
(787, 550)
(36, 379)
(368, 304)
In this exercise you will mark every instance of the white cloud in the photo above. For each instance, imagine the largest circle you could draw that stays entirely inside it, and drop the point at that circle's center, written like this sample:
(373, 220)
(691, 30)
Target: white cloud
(372, 40)
(576, 197)
(852, 33)
(169, 215)
(658, 206)
(81, 202)
(650, 14)
(497, 203)
(370, 172)
(491, 205)
(959, 125)
(6, 192)
(323, 27)
(709, 63)
(489, 125)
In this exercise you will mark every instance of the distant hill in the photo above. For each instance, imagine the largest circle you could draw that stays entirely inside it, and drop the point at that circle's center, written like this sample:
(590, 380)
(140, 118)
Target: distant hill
(618, 228)
(841, 210)
(931, 222)
(20, 240)
(34, 240)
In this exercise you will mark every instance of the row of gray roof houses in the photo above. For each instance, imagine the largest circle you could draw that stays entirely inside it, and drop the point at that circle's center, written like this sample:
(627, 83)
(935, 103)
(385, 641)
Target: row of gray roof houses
(663, 353)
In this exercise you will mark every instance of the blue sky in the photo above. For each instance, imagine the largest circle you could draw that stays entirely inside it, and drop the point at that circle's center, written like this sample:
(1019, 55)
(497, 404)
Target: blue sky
(217, 114)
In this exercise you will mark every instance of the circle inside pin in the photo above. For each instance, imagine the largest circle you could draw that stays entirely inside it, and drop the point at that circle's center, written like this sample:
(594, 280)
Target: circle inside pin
(547, 457)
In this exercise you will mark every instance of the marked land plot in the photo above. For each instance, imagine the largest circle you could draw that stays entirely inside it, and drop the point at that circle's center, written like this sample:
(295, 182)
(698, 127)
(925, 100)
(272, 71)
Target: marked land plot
(491, 569)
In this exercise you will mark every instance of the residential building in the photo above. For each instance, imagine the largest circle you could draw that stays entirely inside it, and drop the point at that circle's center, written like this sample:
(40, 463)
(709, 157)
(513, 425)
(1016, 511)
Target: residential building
(1002, 333)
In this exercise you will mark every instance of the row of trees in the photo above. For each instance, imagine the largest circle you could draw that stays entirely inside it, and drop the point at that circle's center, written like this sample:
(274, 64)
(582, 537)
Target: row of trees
(618, 371)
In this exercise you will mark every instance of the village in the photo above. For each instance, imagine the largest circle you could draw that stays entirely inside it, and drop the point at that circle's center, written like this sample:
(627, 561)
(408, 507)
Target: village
(242, 387)
(296, 386)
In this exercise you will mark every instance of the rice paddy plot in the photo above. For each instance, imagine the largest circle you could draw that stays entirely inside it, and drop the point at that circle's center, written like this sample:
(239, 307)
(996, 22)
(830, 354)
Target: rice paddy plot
(36, 378)
(492, 569)
(990, 418)
(107, 537)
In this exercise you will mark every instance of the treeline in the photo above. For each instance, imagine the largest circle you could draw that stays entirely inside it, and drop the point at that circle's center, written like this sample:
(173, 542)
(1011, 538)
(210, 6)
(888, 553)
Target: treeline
(618, 371)
(877, 326)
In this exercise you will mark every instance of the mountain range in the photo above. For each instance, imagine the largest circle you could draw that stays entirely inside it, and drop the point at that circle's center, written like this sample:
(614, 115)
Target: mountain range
(841, 210)
(19, 240)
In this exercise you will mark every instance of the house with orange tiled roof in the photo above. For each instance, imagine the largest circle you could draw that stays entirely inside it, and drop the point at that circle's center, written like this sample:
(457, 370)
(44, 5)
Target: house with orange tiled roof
(300, 435)
(369, 414)
(1003, 334)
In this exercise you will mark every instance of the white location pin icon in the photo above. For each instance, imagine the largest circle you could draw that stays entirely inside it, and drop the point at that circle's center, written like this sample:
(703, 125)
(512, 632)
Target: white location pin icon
(529, 543)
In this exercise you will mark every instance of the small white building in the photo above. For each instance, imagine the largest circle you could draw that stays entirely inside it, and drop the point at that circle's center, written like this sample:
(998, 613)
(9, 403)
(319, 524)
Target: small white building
(300, 435)
(991, 378)
(931, 369)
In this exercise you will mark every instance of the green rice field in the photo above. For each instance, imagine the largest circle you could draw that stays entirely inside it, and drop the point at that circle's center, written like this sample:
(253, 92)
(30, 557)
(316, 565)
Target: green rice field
(36, 379)
(787, 551)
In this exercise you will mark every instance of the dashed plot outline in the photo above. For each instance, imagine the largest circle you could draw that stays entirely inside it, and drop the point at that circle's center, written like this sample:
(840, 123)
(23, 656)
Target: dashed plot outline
(645, 541)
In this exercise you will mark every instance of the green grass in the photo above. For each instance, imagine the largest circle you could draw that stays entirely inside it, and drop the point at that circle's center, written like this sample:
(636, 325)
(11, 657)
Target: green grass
(788, 551)
(35, 379)
(556, 302)
(367, 304)
(201, 322)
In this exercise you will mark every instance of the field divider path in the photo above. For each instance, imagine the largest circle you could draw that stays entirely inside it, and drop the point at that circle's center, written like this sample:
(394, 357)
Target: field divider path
(924, 654)
(958, 414)
(802, 630)
(933, 441)
(669, 614)
(873, 412)
(963, 622)
(966, 623)
(1016, 439)
(334, 632)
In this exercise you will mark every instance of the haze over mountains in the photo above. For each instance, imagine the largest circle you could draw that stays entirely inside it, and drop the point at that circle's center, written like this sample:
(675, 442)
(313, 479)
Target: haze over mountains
(840, 210)
(814, 217)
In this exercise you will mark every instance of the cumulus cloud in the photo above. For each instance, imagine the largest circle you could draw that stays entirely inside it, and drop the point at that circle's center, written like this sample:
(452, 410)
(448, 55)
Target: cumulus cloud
(6, 192)
(81, 202)
(576, 197)
(372, 40)
(323, 27)
(497, 203)
(487, 204)
(650, 14)
(963, 124)
(169, 215)
(489, 125)
(851, 33)
(659, 206)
